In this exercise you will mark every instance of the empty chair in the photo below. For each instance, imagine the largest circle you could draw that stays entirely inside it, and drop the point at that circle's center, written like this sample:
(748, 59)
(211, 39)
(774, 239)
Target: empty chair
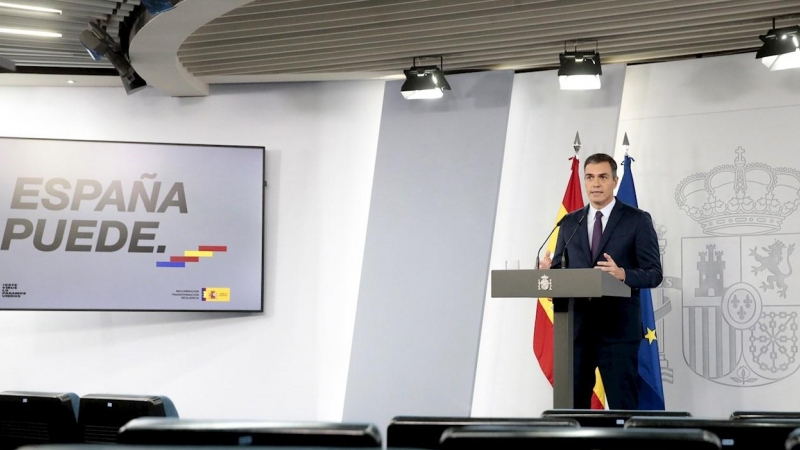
(512, 438)
(764, 434)
(37, 418)
(793, 441)
(426, 432)
(759, 415)
(110, 446)
(166, 431)
(100, 416)
(607, 418)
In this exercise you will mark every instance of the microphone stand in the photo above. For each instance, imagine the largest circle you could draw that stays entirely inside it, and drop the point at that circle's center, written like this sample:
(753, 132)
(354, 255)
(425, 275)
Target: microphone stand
(565, 256)
(558, 224)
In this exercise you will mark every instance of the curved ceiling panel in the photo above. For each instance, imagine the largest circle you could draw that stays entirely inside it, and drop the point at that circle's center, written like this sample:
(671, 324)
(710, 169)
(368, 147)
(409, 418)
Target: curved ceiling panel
(154, 47)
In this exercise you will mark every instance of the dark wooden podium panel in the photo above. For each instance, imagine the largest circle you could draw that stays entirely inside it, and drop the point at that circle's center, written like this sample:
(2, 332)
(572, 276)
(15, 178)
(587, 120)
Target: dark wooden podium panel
(556, 283)
(563, 286)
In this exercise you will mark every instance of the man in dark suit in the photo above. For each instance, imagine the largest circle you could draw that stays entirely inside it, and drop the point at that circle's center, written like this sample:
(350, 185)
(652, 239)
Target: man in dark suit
(621, 240)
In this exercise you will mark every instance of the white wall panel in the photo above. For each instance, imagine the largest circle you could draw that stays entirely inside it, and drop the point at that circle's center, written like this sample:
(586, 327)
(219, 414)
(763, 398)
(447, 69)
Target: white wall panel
(288, 363)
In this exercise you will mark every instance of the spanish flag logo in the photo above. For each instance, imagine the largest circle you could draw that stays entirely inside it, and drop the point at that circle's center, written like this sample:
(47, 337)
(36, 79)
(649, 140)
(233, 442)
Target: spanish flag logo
(216, 294)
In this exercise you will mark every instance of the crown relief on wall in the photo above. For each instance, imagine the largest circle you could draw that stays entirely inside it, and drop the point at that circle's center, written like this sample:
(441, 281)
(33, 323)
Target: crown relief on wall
(742, 198)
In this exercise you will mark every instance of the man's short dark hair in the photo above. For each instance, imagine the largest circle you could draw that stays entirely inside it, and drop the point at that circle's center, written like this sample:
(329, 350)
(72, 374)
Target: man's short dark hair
(598, 158)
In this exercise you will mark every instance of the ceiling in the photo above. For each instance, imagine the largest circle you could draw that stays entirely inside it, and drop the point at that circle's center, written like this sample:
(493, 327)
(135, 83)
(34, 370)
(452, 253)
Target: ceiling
(202, 42)
(44, 53)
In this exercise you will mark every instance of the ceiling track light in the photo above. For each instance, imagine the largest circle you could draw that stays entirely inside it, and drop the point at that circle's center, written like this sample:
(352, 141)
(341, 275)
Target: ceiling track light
(424, 82)
(781, 49)
(100, 45)
(579, 70)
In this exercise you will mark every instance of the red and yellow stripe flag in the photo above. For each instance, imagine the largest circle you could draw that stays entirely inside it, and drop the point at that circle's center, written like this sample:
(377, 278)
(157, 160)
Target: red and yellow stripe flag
(543, 328)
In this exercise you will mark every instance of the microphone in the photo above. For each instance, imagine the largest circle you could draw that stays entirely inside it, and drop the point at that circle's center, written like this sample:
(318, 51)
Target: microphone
(564, 257)
(558, 224)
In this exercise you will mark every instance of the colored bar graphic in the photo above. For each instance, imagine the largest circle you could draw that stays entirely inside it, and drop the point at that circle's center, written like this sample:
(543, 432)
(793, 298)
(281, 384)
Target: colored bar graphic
(170, 264)
(193, 256)
(213, 248)
(184, 258)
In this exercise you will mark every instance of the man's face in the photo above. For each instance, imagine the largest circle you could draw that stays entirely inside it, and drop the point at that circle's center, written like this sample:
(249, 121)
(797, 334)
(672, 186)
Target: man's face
(600, 184)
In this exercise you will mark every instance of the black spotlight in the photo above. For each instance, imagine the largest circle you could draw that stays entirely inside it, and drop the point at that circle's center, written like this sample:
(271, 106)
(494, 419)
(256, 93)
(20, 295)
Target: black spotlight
(580, 70)
(424, 82)
(98, 43)
(781, 49)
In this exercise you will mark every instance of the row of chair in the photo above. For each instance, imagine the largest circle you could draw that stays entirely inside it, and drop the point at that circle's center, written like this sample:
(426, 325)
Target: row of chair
(30, 418)
(611, 418)
(591, 429)
(649, 431)
(41, 417)
(513, 438)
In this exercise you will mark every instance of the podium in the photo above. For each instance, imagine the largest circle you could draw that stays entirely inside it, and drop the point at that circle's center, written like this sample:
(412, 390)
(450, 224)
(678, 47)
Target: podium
(563, 286)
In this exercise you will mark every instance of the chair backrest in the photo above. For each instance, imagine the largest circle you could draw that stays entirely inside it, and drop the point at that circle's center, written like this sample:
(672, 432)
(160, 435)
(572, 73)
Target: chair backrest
(758, 415)
(793, 441)
(608, 418)
(513, 438)
(426, 432)
(166, 431)
(100, 416)
(28, 418)
(763, 434)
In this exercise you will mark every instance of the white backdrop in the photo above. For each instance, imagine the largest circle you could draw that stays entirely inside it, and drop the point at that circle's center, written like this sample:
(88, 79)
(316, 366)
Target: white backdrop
(719, 137)
(733, 347)
(289, 363)
(541, 130)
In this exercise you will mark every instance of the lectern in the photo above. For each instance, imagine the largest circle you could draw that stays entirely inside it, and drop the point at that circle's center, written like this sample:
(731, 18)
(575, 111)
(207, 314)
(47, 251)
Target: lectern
(564, 286)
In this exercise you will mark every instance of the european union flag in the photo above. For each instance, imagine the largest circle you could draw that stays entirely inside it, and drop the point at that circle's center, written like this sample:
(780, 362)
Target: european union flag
(651, 391)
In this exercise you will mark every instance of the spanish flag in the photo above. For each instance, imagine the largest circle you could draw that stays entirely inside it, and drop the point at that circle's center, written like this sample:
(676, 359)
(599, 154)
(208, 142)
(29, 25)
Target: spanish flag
(543, 328)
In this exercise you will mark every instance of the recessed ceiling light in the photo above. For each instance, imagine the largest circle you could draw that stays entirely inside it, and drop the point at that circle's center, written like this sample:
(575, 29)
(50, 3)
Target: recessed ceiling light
(70, 81)
(24, 32)
(30, 8)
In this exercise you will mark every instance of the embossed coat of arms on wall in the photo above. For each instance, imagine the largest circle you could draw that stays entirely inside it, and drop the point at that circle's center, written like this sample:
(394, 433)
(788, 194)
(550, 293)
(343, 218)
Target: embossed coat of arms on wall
(740, 295)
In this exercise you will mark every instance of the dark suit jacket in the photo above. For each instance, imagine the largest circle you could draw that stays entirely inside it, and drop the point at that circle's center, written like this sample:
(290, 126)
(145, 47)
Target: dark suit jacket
(630, 239)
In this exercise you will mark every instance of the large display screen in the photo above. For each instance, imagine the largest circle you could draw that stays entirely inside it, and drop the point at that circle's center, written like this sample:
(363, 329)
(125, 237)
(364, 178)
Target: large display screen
(122, 226)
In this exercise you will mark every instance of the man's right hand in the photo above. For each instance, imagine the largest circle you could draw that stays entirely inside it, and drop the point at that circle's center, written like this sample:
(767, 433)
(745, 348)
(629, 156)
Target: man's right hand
(546, 262)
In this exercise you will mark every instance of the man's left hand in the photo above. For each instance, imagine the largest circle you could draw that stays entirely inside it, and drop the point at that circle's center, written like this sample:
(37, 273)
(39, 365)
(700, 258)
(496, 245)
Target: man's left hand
(611, 267)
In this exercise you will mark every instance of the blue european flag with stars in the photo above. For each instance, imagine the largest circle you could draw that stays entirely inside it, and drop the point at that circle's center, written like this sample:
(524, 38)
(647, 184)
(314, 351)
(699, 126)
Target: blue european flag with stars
(651, 391)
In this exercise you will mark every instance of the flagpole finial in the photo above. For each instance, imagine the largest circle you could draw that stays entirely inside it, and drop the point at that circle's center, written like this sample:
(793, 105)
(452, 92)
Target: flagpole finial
(577, 144)
(625, 144)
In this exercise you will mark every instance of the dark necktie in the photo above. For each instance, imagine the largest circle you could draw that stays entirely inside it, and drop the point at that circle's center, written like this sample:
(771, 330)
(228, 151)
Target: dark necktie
(597, 234)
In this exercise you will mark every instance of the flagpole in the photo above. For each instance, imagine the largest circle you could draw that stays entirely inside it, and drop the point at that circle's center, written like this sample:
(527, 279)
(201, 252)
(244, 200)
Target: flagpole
(651, 390)
(659, 294)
